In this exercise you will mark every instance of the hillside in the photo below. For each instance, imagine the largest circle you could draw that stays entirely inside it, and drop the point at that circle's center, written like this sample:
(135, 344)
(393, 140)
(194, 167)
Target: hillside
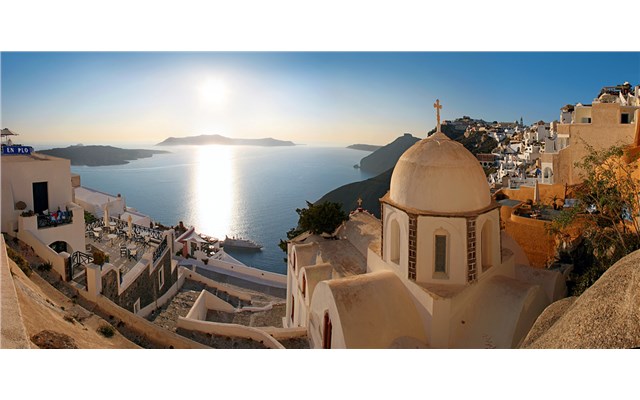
(94, 156)
(218, 139)
(386, 157)
(370, 191)
(51, 320)
(364, 147)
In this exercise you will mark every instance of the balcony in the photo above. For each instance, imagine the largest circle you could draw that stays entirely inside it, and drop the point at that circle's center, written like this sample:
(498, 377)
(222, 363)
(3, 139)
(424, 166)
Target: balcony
(54, 219)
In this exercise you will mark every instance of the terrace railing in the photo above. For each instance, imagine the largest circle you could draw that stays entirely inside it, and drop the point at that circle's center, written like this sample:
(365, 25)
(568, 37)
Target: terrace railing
(124, 226)
(157, 253)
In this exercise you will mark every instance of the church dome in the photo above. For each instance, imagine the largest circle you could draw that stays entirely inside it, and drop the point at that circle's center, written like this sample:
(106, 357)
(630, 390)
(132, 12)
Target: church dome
(439, 175)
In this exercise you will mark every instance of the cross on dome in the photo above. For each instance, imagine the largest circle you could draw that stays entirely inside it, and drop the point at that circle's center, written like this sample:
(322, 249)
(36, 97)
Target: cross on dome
(438, 107)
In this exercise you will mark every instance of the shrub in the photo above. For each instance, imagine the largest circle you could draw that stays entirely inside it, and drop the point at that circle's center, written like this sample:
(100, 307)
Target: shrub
(98, 257)
(89, 218)
(45, 266)
(106, 330)
(20, 261)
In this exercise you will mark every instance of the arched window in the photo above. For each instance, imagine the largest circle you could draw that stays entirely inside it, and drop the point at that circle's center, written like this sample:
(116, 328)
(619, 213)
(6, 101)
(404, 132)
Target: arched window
(548, 175)
(295, 258)
(60, 246)
(487, 245)
(326, 332)
(394, 242)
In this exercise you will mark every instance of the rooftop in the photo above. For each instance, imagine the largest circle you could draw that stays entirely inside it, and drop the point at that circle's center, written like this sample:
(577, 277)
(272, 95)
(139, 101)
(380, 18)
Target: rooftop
(93, 196)
(23, 158)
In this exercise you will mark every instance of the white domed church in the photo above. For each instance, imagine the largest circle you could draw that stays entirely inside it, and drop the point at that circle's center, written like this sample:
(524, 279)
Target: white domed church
(435, 272)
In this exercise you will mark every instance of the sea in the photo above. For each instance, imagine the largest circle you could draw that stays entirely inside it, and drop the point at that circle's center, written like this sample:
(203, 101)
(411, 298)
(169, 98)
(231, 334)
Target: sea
(248, 192)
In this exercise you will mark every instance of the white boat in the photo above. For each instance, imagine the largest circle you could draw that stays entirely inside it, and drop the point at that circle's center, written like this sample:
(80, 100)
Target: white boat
(242, 244)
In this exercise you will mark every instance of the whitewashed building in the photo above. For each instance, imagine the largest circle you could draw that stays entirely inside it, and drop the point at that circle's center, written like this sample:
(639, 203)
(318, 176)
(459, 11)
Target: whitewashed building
(436, 271)
(38, 207)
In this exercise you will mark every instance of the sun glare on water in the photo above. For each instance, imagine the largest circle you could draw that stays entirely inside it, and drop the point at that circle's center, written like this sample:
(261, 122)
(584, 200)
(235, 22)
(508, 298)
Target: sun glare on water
(214, 190)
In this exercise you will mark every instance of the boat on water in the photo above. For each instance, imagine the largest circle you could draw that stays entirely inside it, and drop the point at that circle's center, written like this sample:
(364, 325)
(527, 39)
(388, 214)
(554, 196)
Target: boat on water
(241, 244)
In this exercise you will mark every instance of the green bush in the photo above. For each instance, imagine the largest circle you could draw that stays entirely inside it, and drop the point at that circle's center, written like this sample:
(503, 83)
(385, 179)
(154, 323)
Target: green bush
(106, 330)
(88, 217)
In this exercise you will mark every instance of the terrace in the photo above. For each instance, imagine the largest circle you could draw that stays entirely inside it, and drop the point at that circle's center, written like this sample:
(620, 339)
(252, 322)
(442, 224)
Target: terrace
(537, 212)
(123, 245)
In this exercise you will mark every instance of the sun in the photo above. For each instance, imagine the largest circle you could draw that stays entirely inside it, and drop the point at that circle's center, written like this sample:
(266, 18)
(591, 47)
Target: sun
(214, 92)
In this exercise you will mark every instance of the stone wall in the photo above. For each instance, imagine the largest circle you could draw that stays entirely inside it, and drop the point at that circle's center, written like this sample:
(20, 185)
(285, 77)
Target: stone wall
(531, 235)
(145, 287)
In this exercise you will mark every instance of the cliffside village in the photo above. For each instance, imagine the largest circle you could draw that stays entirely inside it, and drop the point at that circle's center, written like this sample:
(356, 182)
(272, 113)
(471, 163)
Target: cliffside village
(447, 268)
(526, 154)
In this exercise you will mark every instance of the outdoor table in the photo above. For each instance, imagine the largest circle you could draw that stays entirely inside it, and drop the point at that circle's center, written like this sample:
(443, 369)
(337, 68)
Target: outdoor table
(112, 236)
(97, 229)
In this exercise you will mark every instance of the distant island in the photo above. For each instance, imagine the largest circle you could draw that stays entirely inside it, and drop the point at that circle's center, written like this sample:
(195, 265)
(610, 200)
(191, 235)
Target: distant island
(364, 147)
(97, 156)
(218, 139)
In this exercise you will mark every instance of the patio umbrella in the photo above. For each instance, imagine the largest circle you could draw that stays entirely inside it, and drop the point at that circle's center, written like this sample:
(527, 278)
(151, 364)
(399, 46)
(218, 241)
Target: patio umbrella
(130, 223)
(106, 214)
(536, 193)
(5, 133)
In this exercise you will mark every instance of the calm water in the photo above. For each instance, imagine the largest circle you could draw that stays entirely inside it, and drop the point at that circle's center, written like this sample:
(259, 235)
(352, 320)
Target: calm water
(246, 191)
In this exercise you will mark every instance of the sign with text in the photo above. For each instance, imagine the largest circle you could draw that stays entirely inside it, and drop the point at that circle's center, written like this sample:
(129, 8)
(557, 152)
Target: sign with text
(16, 150)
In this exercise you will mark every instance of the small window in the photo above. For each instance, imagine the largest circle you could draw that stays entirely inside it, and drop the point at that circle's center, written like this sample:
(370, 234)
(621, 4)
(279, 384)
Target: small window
(487, 246)
(304, 285)
(624, 118)
(136, 306)
(441, 254)
(586, 120)
(293, 304)
(394, 255)
(160, 278)
(326, 332)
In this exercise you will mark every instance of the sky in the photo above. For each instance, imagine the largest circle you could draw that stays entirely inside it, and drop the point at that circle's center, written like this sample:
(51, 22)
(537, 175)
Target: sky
(315, 98)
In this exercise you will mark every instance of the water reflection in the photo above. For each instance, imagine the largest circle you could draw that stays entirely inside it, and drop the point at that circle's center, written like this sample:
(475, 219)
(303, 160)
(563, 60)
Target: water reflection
(213, 184)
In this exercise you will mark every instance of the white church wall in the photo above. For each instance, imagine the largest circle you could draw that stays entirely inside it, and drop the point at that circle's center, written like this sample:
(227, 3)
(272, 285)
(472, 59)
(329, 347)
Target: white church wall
(391, 216)
(456, 269)
(321, 303)
(492, 218)
(422, 301)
